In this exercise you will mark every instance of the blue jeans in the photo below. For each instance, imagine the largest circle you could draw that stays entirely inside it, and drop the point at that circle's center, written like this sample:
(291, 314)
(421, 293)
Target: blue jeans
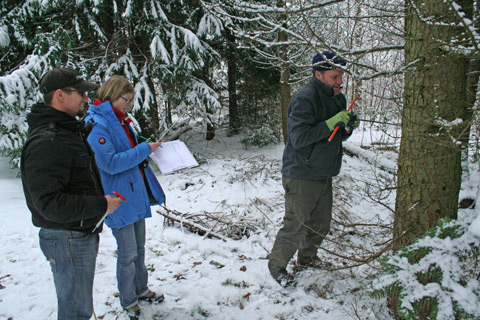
(72, 256)
(132, 275)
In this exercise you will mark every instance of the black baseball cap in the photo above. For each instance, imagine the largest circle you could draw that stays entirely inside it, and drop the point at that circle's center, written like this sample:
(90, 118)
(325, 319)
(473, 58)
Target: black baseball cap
(60, 78)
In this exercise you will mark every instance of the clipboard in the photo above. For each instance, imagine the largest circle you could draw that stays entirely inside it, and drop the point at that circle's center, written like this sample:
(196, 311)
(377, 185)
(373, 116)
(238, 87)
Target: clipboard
(173, 156)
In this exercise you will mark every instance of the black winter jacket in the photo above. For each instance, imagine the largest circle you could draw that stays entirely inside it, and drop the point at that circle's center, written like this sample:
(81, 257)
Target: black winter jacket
(308, 154)
(61, 182)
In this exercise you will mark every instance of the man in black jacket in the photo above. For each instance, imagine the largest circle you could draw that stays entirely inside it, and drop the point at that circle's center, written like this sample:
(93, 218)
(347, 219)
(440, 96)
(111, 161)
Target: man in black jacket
(63, 189)
(310, 161)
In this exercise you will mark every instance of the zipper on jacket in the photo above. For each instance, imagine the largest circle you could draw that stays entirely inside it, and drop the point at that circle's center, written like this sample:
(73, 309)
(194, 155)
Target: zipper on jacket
(92, 175)
(131, 186)
(307, 161)
(309, 155)
(90, 165)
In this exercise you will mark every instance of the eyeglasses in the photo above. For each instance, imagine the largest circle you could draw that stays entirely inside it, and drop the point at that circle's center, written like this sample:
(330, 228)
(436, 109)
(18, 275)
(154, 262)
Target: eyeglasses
(127, 100)
(82, 93)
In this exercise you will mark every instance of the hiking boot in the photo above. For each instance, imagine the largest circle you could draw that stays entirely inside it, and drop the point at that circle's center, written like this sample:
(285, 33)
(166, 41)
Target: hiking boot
(316, 263)
(285, 279)
(152, 297)
(133, 312)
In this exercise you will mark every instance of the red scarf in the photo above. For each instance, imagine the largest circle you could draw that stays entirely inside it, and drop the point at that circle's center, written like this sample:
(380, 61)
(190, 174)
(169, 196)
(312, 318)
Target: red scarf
(123, 118)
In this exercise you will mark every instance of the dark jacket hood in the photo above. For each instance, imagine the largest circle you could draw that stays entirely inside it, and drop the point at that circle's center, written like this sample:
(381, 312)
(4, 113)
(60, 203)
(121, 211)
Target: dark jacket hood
(41, 115)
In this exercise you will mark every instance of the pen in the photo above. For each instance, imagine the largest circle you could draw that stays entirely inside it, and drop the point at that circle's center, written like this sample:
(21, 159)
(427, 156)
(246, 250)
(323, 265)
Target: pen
(148, 140)
(105, 215)
(119, 195)
(99, 222)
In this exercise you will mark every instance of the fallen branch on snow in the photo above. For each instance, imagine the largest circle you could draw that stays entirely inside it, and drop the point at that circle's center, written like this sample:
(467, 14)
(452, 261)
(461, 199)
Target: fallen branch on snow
(209, 224)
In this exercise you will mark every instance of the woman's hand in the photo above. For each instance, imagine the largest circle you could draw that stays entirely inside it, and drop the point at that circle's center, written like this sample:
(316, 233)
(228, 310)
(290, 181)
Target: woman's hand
(154, 145)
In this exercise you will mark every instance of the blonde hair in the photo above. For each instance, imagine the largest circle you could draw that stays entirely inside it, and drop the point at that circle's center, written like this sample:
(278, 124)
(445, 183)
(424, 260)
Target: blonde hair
(114, 87)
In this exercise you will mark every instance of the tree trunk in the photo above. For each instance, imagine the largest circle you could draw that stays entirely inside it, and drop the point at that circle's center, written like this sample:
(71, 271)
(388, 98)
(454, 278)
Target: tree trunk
(153, 111)
(210, 134)
(168, 108)
(429, 164)
(210, 127)
(285, 91)
(285, 97)
(234, 118)
(472, 85)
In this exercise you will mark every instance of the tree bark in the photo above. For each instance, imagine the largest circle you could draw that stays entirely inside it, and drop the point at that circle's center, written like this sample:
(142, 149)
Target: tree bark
(210, 133)
(429, 164)
(285, 90)
(233, 114)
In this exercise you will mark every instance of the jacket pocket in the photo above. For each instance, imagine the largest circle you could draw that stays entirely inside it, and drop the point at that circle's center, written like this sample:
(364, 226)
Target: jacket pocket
(82, 177)
(48, 248)
(82, 161)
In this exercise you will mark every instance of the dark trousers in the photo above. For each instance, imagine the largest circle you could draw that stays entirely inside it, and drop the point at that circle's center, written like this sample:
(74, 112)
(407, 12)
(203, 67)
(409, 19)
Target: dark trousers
(308, 213)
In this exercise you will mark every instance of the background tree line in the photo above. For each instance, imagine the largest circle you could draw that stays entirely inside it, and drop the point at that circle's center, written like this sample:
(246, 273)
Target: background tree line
(412, 62)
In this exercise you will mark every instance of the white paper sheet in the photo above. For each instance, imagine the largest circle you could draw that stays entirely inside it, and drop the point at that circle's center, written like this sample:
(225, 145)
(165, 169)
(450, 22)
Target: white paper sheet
(173, 156)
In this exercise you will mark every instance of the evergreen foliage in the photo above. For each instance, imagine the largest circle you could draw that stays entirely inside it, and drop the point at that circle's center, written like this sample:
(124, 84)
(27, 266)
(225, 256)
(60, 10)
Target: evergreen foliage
(252, 68)
(258, 91)
(261, 137)
(436, 277)
(160, 46)
(25, 56)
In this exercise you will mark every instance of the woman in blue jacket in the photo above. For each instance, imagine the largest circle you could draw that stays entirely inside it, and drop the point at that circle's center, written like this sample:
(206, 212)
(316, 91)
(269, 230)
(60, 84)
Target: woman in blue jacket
(123, 166)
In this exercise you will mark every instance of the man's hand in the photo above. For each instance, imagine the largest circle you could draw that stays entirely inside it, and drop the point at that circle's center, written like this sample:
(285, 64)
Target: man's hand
(340, 119)
(353, 123)
(113, 203)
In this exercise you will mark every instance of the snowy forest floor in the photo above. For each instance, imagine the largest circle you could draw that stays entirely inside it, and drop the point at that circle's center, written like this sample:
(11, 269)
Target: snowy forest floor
(208, 278)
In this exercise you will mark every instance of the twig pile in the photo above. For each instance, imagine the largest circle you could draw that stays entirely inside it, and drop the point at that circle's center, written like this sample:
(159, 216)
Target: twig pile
(210, 224)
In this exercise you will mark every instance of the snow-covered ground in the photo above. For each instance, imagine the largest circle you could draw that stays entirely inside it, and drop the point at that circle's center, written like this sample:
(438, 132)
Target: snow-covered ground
(207, 277)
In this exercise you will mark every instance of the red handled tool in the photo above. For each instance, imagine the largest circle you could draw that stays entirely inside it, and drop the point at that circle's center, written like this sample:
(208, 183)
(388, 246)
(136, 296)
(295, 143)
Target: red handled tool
(338, 127)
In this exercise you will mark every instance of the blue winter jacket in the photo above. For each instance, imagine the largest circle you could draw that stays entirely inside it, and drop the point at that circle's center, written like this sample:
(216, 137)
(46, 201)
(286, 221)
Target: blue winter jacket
(118, 164)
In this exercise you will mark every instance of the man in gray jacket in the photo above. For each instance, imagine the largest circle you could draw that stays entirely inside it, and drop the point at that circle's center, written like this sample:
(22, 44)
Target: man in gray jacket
(310, 161)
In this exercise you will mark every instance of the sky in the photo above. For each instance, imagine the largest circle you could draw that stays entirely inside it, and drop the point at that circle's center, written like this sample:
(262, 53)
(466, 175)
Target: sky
(208, 278)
